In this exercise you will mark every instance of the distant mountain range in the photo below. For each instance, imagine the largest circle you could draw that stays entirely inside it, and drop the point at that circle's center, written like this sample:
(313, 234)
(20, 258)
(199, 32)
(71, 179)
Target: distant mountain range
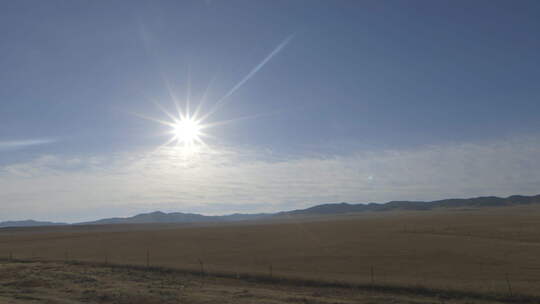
(476, 202)
(319, 210)
(175, 217)
(28, 223)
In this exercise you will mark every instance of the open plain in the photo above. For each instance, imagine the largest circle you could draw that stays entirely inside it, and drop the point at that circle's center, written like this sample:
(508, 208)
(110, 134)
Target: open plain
(489, 251)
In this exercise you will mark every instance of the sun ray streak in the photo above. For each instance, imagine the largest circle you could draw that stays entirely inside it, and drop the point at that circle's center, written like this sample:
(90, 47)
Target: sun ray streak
(223, 99)
(188, 92)
(254, 116)
(171, 140)
(225, 122)
(202, 100)
(163, 122)
(173, 97)
(159, 106)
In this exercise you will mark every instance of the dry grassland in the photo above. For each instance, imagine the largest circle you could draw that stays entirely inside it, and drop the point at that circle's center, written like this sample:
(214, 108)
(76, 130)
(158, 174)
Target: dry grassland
(66, 283)
(491, 251)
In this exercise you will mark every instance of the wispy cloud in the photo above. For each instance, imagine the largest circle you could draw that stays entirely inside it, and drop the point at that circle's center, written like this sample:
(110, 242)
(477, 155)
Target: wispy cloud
(229, 180)
(19, 144)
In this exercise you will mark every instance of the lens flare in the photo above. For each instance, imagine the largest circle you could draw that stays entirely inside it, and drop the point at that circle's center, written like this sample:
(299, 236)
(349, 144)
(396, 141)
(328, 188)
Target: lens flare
(187, 131)
(186, 125)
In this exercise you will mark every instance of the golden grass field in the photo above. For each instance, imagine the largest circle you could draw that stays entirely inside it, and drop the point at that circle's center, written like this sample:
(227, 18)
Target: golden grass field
(69, 283)
(489, 250)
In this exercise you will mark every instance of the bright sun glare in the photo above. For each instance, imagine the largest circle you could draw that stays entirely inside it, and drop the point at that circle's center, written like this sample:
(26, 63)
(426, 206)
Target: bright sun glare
(187, 131)
(187, 127)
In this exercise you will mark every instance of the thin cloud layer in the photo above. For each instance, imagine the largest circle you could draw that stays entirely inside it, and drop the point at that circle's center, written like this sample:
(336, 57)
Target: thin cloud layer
(217, 181)
(19, 144)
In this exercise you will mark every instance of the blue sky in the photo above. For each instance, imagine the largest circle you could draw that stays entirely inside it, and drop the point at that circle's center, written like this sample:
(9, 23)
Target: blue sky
(353, 101)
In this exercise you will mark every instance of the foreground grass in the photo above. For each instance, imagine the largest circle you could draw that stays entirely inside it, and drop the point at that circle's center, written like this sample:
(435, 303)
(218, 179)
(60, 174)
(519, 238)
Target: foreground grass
(80, 282)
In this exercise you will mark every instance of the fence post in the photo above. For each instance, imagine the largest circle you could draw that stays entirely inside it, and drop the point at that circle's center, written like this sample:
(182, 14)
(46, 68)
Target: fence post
(202, 267)
(372, 275)
(508, 284)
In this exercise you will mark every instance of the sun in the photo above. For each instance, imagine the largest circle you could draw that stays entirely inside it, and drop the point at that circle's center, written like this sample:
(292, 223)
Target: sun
(187, 131)
(189, 128)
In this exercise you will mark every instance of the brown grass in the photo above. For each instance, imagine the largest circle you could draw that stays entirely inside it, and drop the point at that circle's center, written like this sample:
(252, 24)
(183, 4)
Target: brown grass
(469, 250)
(81, 282)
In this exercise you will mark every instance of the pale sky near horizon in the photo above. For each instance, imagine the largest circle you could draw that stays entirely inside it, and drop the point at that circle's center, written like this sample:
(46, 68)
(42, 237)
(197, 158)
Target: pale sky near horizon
(310, 102)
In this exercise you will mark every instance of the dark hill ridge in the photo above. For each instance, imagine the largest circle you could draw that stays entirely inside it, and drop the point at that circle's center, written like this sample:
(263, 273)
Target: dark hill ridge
(477, 202)
(324, 209)
(175, 217)
(29, 223)
(154, 217)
